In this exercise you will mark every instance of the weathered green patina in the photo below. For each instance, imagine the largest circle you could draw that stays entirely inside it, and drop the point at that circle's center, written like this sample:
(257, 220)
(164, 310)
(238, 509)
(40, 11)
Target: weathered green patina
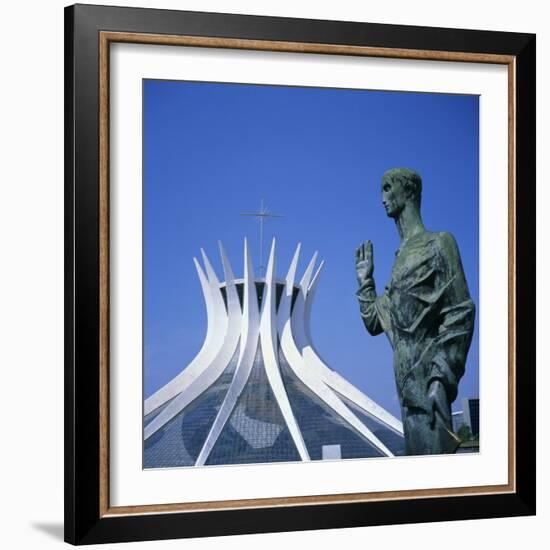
(426, 312)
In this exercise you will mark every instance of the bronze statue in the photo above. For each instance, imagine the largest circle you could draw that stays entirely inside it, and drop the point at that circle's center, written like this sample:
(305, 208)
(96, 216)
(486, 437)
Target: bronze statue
(426, 312)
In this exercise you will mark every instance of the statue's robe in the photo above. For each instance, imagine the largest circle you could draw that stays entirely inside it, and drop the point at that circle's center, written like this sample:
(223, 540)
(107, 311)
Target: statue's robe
(428, 316)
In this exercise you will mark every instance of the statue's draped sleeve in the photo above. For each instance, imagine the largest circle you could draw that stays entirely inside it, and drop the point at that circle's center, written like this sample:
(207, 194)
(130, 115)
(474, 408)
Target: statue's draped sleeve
(374, 309)
(455, 322)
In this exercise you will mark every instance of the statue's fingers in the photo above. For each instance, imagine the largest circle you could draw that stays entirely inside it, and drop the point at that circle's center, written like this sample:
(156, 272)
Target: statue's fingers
(357, 259)
(369, 248)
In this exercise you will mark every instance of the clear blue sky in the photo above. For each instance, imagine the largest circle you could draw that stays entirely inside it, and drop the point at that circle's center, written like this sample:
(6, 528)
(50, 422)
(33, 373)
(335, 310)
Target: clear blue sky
(315, 155)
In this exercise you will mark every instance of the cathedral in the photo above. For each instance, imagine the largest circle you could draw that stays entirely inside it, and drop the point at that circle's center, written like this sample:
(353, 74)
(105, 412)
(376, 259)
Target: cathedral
(258, 391)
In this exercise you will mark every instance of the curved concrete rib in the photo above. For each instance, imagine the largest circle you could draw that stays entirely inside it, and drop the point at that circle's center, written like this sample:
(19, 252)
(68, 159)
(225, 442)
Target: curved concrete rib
(233, 303)
(217, 321)
(310, 295)
(297, 364)
(301, 338)
(302, 332)
(200, 380)
(306, 277)
(268, 338)
(250, 327)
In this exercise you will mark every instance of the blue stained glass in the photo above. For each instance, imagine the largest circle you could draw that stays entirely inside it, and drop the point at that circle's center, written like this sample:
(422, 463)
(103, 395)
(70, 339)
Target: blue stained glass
(394, 441)
(152, 415)
(179, 441)
(319, 424)
(256, 431)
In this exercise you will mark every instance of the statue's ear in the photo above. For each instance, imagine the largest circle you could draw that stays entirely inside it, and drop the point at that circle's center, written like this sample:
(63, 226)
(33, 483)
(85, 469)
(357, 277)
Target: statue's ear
(411, 191)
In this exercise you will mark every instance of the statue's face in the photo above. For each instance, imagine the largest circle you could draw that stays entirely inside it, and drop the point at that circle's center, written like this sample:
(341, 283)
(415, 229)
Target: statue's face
(394, 197)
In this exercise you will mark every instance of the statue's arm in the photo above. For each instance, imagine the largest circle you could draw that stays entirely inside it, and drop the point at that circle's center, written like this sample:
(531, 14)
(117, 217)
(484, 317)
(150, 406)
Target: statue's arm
(366, 295)
(455, 321)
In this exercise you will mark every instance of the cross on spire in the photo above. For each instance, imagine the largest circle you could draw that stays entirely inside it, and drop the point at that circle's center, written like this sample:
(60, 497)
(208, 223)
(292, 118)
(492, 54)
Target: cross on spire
(261, 215)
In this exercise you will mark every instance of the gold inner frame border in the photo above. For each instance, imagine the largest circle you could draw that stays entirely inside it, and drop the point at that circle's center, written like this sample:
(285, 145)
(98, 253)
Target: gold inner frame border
(105, 39)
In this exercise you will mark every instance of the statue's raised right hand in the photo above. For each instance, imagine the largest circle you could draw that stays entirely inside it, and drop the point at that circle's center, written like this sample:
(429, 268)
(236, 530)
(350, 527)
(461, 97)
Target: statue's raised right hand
(364, 262)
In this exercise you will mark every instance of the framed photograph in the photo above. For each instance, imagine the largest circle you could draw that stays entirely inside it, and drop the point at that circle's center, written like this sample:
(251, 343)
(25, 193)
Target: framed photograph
(300, 274)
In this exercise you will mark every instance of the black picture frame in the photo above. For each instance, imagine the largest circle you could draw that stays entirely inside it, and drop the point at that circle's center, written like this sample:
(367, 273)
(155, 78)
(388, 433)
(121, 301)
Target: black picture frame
(86, 520)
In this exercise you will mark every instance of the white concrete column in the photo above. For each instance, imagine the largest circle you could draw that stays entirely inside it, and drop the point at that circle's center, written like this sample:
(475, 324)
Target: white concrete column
(268, 338)
(198, 380)
(250, 326)
(298, 366)
(217, 323)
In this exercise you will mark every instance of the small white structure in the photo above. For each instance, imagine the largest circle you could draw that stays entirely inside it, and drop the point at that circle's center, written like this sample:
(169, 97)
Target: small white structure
(258, 391)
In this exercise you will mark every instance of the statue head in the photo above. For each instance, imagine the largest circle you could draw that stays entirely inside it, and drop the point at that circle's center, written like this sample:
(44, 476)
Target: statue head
(400, 186)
